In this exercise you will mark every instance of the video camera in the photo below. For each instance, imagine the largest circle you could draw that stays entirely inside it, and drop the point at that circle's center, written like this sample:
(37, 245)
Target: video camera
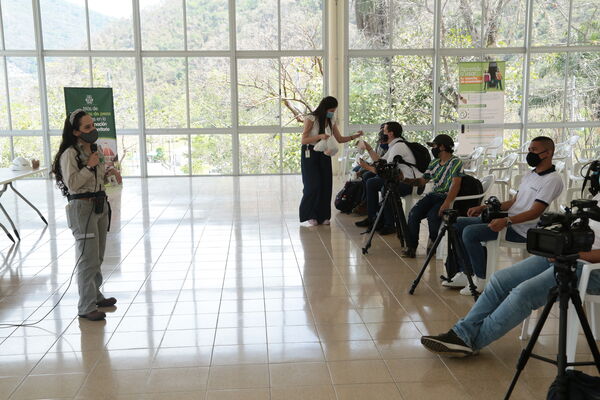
(592, 176)
(561, 235)
(389, 171)
(492, 211)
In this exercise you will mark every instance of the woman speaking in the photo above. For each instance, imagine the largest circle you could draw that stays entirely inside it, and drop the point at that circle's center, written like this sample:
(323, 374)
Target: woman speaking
(80, 173)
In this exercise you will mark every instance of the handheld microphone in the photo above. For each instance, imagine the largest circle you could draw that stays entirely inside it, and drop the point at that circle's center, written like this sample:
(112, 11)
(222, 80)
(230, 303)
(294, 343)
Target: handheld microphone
(94, 148)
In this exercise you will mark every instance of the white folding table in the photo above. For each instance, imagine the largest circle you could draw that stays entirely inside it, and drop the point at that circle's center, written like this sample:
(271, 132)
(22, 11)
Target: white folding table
(7, 177)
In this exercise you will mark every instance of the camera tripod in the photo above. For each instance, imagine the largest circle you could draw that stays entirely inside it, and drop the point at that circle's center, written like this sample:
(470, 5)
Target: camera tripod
(565, 290)
(455, 250)
(391, 194)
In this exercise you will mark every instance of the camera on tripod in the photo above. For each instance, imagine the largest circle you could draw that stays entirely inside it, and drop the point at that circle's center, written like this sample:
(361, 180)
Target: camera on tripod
(449, 216)
(493, 210)
(389, 171)
(567, 234)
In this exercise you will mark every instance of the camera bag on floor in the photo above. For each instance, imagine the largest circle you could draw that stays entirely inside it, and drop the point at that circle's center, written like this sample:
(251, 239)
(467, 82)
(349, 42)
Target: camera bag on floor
(580, 386)
(469, 186)
(349, 197)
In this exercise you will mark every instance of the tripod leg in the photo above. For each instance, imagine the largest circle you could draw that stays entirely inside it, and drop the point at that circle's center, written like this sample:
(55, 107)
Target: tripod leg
(401, 220)
(455, 247)
(397, 210)
(526, 353)
(367, 245)
(589, 336)
(429, 256)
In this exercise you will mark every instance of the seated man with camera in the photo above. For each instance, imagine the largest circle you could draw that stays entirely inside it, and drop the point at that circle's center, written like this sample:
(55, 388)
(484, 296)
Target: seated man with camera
(514, 292)
(538, 189)
(397, 147)
(446, 172)
(381, 148)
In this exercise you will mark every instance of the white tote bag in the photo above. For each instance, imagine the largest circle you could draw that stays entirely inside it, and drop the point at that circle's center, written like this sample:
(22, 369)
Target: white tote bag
(329, 146)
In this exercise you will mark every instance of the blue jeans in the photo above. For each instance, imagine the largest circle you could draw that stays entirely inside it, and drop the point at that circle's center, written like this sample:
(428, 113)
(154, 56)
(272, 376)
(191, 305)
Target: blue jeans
(473, 232)
(427, 207)
(366, 176)
(374, 186)
(509, 298)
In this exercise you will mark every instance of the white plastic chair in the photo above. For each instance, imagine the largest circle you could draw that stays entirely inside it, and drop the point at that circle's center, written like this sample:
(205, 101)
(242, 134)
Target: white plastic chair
(493, 247)
(487, 182)
(590, 301)
(494, 146)
(474, 162)
(560, 168)
(504, 171)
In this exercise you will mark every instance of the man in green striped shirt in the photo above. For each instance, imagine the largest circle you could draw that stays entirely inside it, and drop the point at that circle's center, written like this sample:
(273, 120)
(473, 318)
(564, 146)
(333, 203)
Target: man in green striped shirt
(445, 171)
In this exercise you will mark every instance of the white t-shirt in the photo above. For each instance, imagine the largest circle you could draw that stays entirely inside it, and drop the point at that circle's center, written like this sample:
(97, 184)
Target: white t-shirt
(315, 128)
(398, 148)
(544, 188)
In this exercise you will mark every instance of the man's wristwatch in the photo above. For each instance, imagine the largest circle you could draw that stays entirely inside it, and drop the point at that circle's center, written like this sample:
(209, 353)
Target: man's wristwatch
(508, 222)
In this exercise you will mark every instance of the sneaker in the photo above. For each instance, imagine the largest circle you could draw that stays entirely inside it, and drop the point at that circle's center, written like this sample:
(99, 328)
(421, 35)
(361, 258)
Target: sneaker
(111, 301)
(447, 344)
(94, 315)
(458, 281)
(409, 252)
(363, 223)
(387, 230)
(313, 222)
(479, 283)
(327, 222)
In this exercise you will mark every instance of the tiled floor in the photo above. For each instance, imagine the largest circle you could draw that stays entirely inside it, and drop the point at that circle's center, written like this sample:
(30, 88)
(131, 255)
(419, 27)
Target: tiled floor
(222, 295)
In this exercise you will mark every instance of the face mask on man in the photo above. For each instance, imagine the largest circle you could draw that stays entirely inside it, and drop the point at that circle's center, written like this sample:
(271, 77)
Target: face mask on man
(89, 137)
(436, 152)
(533, 159)
(329, 114)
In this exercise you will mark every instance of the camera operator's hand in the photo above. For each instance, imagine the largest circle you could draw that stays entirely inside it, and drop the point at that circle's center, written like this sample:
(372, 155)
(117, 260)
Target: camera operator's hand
(498, 224)
(475, 211)
(443, 207)
(323, 136)
(363, 164)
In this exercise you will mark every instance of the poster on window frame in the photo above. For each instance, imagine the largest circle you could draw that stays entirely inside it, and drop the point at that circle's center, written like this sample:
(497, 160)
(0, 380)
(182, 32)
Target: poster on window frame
(98, 103)
(480, 103)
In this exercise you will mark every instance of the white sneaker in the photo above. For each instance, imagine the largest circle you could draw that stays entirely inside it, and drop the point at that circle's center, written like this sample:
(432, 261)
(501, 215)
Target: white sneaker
(313, 222)
(327, 222)
(457, 281)
(479, 283)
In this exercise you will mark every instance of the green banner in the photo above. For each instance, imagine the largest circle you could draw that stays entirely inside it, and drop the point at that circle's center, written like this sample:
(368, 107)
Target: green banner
(480, 103)
(98, 103)
(481, 77)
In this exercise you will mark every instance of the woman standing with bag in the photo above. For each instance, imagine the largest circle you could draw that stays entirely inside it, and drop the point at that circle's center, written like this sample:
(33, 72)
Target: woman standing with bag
(80, 173)
(317, 176)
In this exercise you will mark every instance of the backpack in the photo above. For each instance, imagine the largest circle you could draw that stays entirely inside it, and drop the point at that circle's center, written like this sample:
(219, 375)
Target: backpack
(421, 154)
(469, 186)
(349, 197)
(579, 387)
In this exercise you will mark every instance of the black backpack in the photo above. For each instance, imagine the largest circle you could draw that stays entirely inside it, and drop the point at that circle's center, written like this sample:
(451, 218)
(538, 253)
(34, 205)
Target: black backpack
(349, 197)
(469, 186)
(579, 387)
(422, 156)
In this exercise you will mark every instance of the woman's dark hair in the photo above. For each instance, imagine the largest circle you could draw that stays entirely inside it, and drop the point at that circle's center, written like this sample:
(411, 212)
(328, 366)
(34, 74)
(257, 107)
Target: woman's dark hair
(395, 127)
(320, 112)
(68, 140)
